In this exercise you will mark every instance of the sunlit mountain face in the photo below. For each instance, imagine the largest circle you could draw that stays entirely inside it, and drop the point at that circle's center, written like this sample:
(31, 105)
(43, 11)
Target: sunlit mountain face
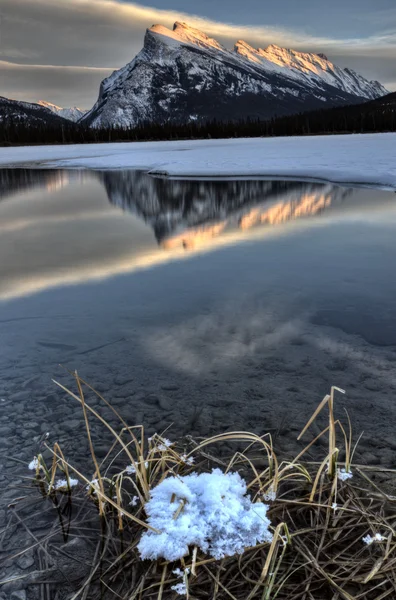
(183, 75)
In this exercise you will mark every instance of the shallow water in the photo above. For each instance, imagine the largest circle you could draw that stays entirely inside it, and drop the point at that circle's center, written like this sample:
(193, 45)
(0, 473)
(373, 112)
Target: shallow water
(194, 305)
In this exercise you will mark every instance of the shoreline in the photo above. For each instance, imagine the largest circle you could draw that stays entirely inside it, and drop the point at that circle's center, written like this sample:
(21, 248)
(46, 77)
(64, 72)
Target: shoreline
(356, 160)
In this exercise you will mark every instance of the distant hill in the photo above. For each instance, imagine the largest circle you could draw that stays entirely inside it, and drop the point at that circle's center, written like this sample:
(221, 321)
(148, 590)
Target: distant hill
(28, 113)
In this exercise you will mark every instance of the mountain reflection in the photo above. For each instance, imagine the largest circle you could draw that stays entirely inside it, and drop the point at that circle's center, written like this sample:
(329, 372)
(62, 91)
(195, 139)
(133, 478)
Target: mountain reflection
(59, 237)
(187, 213)
(14, 181)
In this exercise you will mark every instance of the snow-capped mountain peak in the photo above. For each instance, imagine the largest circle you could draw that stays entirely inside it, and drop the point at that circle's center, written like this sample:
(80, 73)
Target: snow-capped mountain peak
(184, 34)
(182, 74)
(72, 114)
(313, 68)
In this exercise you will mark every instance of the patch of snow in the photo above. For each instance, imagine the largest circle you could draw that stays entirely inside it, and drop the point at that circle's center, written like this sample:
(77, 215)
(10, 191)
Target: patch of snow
(91, 486)
(62, 484)
(359, 159)
(188, 460)
(270, 494)
(165, 444)
(344, 475)
(34, 464)
(180, 588)
(368, 539)
(208, 510)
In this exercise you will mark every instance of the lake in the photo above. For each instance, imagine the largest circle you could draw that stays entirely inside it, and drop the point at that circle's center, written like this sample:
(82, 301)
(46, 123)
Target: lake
(196, 305)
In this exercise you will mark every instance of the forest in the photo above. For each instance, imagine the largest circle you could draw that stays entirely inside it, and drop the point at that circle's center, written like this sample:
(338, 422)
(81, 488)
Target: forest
(374, 116)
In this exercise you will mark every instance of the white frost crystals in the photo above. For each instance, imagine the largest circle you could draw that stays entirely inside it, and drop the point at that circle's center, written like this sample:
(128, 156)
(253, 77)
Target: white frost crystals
(368, 539)
(65, 484)
(208, 510)
(344, 475)
(34, 464)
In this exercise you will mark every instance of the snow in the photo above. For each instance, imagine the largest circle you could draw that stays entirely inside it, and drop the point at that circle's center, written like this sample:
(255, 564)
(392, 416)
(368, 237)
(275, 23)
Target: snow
(270, 495)
(34, 464)
(368, 159)
(62, 484)
(180, 588)
(186, 35)
(72, 114)
(310, 68)
(191, 62)
(209, 510)
(368, 539)
(344, 475)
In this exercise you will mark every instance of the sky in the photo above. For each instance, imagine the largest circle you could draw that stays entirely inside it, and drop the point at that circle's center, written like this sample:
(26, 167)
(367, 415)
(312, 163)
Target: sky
(60, 50)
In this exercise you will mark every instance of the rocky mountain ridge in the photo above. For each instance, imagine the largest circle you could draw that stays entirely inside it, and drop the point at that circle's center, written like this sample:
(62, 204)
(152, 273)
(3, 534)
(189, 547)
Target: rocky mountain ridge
(183, 75)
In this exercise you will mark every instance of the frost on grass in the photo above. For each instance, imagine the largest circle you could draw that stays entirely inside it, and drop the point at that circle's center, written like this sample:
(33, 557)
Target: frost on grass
(370, 540)
(208, 510)
(180, 588)
(187, 460)
(270, 494)
(343, 475)
(34, 464)
(63, 484)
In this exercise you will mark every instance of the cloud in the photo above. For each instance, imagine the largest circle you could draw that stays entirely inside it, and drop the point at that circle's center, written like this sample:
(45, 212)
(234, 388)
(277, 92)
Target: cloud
(102, 34)
(63, 85)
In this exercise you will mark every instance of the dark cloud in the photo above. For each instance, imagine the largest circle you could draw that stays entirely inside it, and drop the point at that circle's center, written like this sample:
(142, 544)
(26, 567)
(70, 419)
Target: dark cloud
(105, 34)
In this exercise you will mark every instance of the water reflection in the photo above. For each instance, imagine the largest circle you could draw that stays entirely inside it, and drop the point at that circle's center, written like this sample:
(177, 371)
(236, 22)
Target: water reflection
(14, 181)
(189, 213)
(286, 289)
(72, 227)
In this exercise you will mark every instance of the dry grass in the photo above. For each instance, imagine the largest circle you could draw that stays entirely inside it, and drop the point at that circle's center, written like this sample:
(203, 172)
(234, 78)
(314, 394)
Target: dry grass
(318, 520)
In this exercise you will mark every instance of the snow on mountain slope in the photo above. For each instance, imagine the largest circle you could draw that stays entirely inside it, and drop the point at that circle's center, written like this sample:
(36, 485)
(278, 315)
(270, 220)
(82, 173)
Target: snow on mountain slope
(182, 74)
(72, 114)
(312, 68)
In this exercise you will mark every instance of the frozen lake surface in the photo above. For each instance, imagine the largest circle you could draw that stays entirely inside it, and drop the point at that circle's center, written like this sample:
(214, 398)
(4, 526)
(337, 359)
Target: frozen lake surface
(368, 159)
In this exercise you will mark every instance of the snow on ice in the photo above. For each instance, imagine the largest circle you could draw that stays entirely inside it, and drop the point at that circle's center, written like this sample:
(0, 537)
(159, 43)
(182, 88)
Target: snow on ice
(368, 159)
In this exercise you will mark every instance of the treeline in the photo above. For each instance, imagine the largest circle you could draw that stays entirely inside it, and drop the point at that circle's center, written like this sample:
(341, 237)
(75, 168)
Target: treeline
(375, 116)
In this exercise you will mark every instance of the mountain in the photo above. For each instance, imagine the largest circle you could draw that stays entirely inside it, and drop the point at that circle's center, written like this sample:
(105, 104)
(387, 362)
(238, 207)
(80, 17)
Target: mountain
(28, 113)
(187, 213)
(72, 114)
(182, 75)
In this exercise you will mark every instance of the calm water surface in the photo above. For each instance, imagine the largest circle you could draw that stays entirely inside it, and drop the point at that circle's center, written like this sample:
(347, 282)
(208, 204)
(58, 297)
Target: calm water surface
(197, 305)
